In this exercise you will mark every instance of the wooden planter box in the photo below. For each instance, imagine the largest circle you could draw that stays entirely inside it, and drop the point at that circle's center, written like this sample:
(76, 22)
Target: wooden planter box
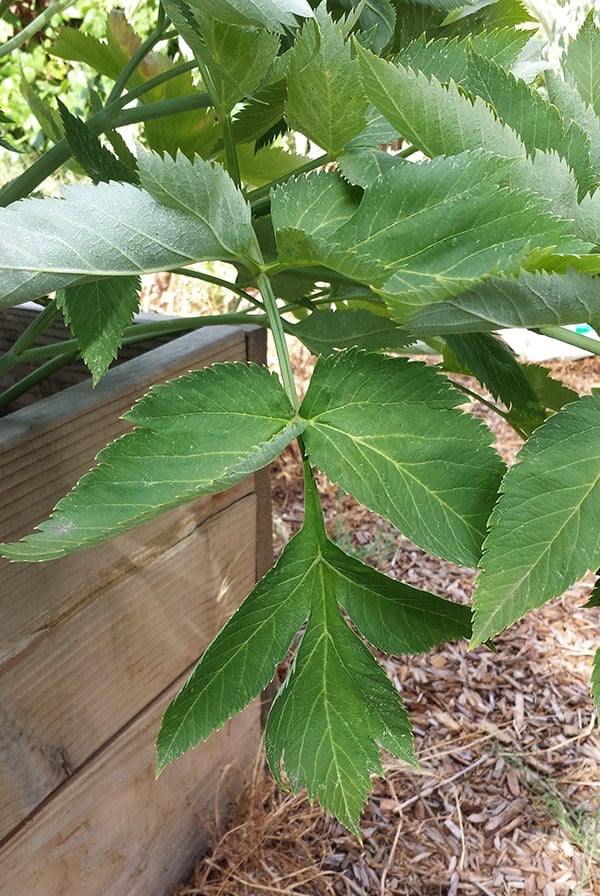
(93, 647)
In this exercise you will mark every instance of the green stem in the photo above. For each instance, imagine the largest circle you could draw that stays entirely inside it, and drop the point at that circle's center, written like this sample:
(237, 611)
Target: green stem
(107, 119)
(233, 165)
(217, 281)
(491, 406)
(278, 331)
(28, 382)
(149, 330)
(571, 338)
(140, 54)
(177, 70)
(4, 7)
(26, 339)
(37, 25)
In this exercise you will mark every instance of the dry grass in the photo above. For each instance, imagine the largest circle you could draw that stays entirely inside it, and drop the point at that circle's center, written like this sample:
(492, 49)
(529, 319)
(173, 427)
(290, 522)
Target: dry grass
(508, 798)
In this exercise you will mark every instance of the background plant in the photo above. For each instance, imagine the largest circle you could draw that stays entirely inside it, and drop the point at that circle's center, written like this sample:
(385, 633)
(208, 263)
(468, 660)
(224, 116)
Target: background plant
(456, 195)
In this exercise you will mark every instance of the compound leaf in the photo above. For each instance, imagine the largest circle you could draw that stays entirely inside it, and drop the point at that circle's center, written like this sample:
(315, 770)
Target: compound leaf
(95, 159)
(97, 314)
(543, 532)
(196, 435)
(388, 431)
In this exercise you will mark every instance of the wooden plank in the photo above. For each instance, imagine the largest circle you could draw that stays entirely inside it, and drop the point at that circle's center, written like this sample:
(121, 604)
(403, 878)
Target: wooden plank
(77, 686)
(113, 829)
(44, 449)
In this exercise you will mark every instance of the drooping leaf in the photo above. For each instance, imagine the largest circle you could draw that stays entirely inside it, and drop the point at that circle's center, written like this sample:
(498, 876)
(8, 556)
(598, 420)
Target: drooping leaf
(551, 395)
(97, 314)
(95, 159)
(196, 435)
(595, 690)
(537, 122)
(393, 616)
(336, 704)
(529, 300)
(48, 118)
(582, 61)
(322, 78)
(324, 331)
(495, 366)
(543, 532)
(186, 212)
(387, 430)
(242, 659)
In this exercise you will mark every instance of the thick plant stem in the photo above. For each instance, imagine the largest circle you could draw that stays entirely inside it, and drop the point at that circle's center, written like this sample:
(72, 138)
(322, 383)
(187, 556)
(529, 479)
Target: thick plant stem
(34, 27)
(579, 340)
(140, 54)
(277, 329)
(27, 338)
(28, 382)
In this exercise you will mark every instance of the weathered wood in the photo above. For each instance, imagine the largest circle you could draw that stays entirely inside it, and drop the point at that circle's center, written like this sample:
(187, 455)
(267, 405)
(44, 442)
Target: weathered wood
(113, 829)
(91, 644)
(46, 448)
(75, 688)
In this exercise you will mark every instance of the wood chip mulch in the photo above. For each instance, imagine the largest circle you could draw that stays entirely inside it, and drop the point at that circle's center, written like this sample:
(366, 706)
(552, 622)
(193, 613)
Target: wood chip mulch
(508, 797)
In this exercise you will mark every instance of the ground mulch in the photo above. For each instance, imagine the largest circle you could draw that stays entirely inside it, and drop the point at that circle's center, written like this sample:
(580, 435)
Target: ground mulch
(508, 797)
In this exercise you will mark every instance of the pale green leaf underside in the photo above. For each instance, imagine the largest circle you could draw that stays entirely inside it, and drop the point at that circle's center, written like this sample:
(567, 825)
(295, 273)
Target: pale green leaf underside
(194, 213)
(543, 532)
(97, 314)
(196, 435)
(387, 430)
(529, 300)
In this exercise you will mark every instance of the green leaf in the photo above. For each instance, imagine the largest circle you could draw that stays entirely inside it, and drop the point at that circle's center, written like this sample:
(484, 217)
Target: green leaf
(438, 120)
(495, 366)
(543, 531)
(186, 212)
(378, 17)
(306, 211)
(95, 159)
(337, 704)
(322, 78)
(267, 164)
(387, 430)
(582, 62)
(393, 616)
(361, 167)
(529, 300)
(324, 331)
(550, 393)
(243, 657)
(537, 122)
(97, 314)
(48, 118)
(595, 690)
(272, 14)
(196, 435)
(423, 232)
(565, 96)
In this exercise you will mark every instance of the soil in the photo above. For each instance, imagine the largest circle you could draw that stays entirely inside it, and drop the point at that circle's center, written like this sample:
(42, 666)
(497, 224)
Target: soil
(507, 800)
